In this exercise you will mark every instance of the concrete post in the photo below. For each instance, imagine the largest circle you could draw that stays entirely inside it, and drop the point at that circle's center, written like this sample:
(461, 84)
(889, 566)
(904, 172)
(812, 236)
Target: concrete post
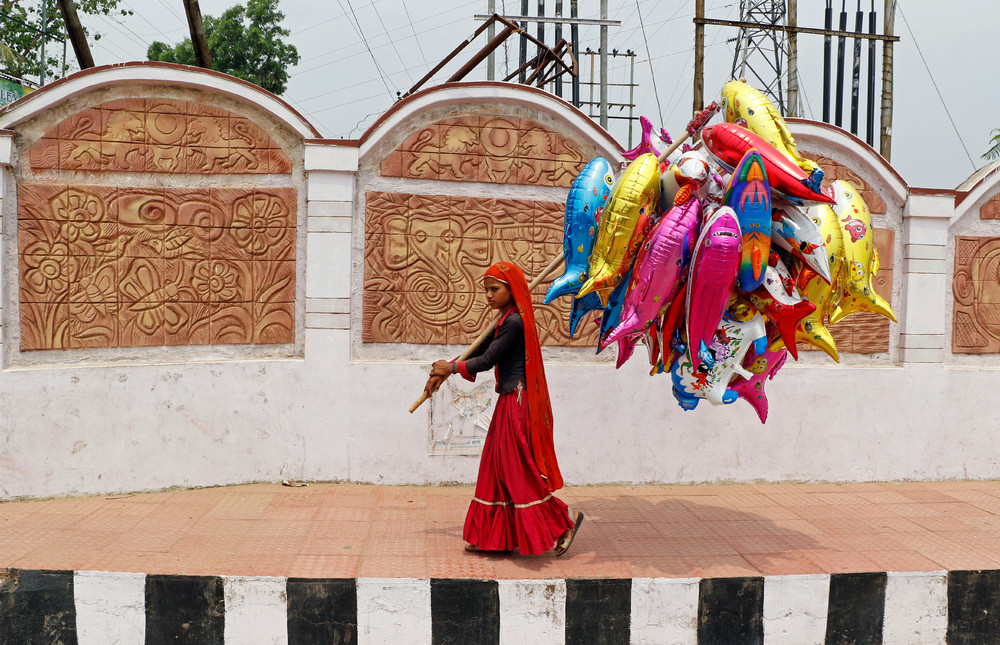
(926, 215)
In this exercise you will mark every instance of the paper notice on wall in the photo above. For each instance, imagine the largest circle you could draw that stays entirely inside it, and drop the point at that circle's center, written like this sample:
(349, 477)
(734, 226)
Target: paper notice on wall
(460, 416)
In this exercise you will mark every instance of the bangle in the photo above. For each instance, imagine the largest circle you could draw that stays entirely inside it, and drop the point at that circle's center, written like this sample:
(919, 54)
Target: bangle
(453, 367)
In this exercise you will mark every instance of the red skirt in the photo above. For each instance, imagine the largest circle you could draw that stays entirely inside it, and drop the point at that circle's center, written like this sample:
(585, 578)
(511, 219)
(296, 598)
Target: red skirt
(513, 507)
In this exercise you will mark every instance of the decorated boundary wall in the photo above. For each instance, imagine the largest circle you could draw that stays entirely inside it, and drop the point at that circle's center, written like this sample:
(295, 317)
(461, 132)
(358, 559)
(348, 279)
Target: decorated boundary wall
(197, 289)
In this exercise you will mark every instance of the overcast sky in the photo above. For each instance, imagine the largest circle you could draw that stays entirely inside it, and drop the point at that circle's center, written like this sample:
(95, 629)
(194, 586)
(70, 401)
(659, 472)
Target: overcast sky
(357, 54)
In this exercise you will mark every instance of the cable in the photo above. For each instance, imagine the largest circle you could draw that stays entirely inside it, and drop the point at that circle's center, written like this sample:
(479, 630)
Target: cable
(130, 8)
(897, 6)
(415, 39)
(651, 73)
(338, 60)
(357, 28)
(170, 9)
(391, 41)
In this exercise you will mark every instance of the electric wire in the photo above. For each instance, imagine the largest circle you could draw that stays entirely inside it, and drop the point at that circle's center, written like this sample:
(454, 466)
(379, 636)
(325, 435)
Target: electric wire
(348, 46)
(897, 6)
(357, 28)
(420, 47)
(391, 42)
(652, 74)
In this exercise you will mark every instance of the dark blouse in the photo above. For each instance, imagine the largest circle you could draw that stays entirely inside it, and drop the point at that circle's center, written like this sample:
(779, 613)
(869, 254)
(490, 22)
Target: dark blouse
(503, 349)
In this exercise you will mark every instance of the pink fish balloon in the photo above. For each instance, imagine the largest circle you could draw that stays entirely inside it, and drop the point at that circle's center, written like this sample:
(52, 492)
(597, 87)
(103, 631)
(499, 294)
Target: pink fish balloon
(711, 279)
(660, 268)
(762, 367)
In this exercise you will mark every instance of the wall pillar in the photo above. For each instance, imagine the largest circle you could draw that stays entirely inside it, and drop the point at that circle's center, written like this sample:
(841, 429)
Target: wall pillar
(925, 275)
(331, 171)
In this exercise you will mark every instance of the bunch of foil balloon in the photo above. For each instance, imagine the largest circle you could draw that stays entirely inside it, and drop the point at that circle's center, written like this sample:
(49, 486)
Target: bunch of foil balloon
(720, 259)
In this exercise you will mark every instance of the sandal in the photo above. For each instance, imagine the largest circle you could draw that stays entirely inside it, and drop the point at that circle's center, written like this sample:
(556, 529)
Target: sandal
(563, 544)
(472, 548)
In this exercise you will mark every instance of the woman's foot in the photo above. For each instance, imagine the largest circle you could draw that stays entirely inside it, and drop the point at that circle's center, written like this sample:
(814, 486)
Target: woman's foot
(566, 539)
(472, 548)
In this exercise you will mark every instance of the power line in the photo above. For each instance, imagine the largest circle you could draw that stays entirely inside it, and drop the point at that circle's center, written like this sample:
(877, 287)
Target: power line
(391, 42)
(420, 47)
(652, 74)
(130, 8)
(896, 5)
(348, 46)
(170, 9)
(357, 28)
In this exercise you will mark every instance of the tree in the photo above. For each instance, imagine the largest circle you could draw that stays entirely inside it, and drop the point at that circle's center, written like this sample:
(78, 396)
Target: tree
(245, 41)
(23, 34)
(994, 151)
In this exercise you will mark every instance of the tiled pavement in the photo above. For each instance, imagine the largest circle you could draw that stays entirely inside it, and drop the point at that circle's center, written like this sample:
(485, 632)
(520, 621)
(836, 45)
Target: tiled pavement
(364, 531)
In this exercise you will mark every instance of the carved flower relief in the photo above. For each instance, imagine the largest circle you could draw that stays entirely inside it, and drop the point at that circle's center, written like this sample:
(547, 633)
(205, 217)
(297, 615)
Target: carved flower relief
(216, 281)
(80, 215)
(45, 263)
(259, 222)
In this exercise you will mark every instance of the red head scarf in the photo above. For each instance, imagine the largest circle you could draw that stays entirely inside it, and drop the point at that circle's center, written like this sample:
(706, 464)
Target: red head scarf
(539, 407)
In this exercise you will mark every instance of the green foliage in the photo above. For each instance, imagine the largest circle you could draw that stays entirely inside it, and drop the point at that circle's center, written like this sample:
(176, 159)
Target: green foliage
(22, 35)
(994, 151)
(245, 41)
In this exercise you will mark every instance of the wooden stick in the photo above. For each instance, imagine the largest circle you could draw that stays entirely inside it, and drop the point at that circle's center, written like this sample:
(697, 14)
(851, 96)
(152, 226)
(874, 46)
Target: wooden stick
(697, 123)
(553, 265)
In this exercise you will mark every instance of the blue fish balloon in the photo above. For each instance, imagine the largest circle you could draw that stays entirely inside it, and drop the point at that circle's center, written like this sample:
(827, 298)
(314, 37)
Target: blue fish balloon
(590, 302)
(584, 206)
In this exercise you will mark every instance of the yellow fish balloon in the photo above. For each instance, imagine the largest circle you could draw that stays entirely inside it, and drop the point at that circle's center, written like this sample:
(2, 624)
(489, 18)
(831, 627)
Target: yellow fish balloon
(747, 106)
(857, 292)
(812, 329)
(629, 210)
(825, 295)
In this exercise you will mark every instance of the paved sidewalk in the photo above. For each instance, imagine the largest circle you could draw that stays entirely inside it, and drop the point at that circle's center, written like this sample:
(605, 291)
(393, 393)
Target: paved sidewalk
(366, 531)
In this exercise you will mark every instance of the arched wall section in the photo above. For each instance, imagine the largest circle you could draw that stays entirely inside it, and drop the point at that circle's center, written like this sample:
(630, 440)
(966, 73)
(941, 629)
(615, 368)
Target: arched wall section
(379, 243)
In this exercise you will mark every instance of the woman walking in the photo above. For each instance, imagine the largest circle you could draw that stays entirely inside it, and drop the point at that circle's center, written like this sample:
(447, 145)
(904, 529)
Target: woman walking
(513, 506)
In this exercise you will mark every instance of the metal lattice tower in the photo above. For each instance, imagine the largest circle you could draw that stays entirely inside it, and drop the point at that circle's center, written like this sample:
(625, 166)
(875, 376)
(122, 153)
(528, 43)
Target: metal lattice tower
(760, 52)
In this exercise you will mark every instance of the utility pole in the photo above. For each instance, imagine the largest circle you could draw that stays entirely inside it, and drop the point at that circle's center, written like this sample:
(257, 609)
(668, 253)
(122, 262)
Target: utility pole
(45, 35)
(202, 57)
(792, 17)
(604, 66)
(885, 141)
(491, 8)
(76, 35)
(699, 55)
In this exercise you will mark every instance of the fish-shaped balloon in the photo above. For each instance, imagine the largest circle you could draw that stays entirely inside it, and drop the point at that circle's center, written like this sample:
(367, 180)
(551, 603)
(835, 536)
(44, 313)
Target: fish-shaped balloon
(793, 230)
(728, 143)
(812, 329)
(692, 169)
(745, 105)
(785, 309)
(612, 312)
(711, 279)
(669, 342)
(624, 224)
(729, 345)
(584, 208)
(581, 306)
(649, 141)
(857, 292)
(762, 367)
(660, 269)
(750, 197)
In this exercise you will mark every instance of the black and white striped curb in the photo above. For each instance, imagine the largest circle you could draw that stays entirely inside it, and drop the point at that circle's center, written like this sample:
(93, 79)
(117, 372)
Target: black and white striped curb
(101, 608)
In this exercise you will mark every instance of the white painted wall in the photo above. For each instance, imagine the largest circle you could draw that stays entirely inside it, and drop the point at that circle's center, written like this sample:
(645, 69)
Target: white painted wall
(337, 410)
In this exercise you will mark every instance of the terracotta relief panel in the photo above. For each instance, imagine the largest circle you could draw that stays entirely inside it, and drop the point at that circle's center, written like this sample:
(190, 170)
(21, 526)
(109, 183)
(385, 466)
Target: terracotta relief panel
(976, 288)
(834, 170)
(498, 150)
(991, 209)
(425, 256)
(159, 136)
(102, 266)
